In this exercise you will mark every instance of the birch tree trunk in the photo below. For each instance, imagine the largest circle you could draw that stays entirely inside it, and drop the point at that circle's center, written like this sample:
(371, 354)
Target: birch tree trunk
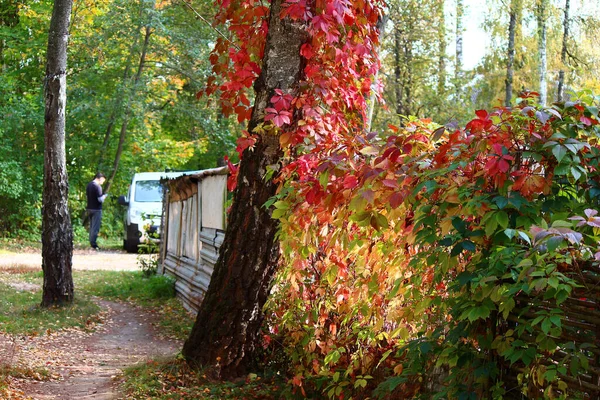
(57, 233)
(510, 63)
(543, 60)
(441, 49)
(460, 10)
(563, 53)
(226, 332)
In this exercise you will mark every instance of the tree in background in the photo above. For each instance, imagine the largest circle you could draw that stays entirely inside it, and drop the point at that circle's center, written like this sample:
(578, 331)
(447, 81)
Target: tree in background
(226, 332)
(512, 27)
(541, 15)
(560, 95)
(57, 234)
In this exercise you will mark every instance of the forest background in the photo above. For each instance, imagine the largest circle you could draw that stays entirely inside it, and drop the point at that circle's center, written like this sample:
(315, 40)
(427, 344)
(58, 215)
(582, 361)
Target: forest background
(136, 69)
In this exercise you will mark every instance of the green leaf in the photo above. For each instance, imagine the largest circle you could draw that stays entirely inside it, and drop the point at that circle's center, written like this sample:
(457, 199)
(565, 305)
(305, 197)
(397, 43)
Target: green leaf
(468, 245)
(546, 325)
(559, 152)
(506, 307)
(524, 236)
(283, 205)
(502, 219)
(490, 226)
(278, 213)
(459, 225)
(556, 320)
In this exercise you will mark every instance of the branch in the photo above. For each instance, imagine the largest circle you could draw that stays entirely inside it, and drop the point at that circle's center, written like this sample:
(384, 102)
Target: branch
(174, 68)
(577, 60)
(198, 15)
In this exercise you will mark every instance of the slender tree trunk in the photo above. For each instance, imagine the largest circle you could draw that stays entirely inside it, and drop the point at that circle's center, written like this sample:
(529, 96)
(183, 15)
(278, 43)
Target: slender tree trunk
(408, 79)
(460, 10)
(563, 53)
(57, 234)
(543, 66)
(128, 111)
(373, 98)
(441, 75)
(226, 332)
(398, 70)
(512, 24)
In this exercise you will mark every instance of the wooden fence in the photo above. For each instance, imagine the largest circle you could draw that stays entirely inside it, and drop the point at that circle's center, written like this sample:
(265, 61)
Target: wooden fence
(577, 354)
(194, 221)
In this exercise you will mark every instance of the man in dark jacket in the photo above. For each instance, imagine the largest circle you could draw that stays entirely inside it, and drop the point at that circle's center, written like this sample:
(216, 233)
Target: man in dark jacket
(95, 198)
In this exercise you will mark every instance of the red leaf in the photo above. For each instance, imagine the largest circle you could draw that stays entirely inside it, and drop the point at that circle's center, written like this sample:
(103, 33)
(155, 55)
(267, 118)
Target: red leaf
(350, 182)
(482, 114)
(245, 142)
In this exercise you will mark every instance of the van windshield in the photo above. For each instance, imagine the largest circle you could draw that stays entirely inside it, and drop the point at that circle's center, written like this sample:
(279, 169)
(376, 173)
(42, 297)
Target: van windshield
(148, 191)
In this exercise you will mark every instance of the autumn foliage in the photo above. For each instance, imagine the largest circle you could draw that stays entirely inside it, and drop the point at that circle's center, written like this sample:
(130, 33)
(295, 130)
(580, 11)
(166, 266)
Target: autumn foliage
(403, 252)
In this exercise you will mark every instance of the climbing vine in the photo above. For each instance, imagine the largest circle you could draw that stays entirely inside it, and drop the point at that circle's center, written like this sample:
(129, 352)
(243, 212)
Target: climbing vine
(405, 254)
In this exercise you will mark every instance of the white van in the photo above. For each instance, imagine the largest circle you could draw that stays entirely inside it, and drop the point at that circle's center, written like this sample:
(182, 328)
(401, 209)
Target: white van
(144, 207)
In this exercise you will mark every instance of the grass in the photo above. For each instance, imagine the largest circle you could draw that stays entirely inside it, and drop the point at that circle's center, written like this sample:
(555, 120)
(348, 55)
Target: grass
(20, 312)
(173, 379)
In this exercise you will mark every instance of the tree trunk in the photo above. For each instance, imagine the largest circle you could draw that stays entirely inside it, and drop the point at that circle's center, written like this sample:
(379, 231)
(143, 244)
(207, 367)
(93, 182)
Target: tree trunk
(373, 98)
(127, 116)
(398, 70)
(511, 53)
(460, 10)
(226, 332)
(543, 66)
(563, 54)
(441, 49)
(57, 234)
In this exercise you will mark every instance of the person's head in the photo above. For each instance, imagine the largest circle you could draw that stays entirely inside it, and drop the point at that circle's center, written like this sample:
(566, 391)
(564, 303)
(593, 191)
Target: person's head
(100, 178)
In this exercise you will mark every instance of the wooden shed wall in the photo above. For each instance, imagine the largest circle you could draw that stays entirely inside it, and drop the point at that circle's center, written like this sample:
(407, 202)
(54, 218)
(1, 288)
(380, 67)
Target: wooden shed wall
(193, 231)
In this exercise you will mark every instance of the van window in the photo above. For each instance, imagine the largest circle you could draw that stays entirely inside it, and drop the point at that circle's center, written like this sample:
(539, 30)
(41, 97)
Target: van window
(148, 191)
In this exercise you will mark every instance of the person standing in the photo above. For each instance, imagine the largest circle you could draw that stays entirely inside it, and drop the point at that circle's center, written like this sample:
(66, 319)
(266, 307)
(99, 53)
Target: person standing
(95, 198)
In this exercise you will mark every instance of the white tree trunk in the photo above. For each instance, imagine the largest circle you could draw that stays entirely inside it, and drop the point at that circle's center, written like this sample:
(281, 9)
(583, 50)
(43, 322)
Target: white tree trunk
(543, 66)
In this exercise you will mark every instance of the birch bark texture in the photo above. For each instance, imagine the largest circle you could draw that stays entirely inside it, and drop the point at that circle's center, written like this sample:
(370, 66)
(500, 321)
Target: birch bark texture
(563, 53)
(542, 47)
(57, 233)
(510, 62)
(227, 329)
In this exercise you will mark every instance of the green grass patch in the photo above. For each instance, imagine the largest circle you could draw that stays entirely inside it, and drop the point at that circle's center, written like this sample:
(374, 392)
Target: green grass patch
(125, 285)
(20, 311)
(174, 379)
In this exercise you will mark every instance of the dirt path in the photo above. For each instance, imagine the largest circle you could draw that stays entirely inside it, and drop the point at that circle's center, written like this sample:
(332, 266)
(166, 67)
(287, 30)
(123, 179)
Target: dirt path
(82, 260)
(87, 365)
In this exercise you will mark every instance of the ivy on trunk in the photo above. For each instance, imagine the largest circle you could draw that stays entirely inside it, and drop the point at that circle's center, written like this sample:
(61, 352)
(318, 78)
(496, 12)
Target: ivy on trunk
(227, 328)
(57, 233)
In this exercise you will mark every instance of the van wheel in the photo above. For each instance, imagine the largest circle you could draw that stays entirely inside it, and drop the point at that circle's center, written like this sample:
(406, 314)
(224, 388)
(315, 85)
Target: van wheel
(130, 246)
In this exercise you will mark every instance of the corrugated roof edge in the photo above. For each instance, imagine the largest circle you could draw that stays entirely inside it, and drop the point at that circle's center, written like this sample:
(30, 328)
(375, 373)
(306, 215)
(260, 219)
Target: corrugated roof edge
(200, 174)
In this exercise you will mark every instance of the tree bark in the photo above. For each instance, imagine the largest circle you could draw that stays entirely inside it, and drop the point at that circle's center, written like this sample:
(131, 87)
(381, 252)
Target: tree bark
(512, 24)
(460, 10)
(57, 234)
(441, 49)
(543, 60)
(398, 70)
(226, 332)
(563, 53)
